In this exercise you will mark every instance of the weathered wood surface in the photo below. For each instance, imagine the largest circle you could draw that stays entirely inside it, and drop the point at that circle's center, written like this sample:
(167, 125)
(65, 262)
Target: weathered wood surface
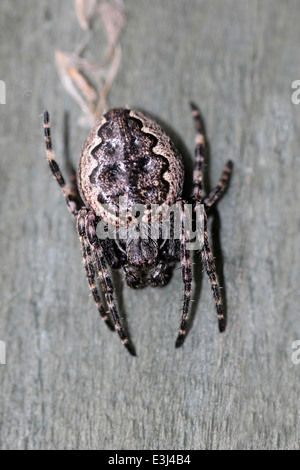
(68, 383)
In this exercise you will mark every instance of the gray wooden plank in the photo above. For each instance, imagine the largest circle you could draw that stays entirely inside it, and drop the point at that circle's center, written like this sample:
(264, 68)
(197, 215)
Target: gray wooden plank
(67, 382)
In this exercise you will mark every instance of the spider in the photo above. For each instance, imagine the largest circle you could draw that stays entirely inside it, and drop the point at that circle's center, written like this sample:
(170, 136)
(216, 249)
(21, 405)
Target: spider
(127, 154)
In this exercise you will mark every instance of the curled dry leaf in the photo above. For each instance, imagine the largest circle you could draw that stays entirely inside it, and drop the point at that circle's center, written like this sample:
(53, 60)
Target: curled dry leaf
(84, 11)
(89, 82)
(113, 19)
(66, 72)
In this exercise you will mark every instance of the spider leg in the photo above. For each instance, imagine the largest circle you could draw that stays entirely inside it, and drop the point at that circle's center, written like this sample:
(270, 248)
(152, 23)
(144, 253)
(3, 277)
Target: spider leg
(111, 253)
(73, 184)
(186, 269)
(88, 263)
(105, 279)
(68, 193)
(216, 194)
(199, 154)
(209, 264)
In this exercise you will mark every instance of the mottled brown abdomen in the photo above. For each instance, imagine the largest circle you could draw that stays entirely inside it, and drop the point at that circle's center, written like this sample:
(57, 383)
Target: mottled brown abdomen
(128, 154)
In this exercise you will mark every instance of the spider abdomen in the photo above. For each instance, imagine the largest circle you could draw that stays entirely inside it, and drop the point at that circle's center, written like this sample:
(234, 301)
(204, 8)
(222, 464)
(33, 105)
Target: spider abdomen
(128, 154)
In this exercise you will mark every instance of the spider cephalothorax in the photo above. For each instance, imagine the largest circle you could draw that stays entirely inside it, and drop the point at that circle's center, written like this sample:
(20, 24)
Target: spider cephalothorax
(128, 156)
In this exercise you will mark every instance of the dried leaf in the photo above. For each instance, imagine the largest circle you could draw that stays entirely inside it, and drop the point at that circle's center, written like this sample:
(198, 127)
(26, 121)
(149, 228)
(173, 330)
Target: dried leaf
(84, 10)
(75, 71)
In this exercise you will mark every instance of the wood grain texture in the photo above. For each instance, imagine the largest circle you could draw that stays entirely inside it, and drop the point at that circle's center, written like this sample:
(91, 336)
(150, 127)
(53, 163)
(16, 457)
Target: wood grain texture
(68, 383)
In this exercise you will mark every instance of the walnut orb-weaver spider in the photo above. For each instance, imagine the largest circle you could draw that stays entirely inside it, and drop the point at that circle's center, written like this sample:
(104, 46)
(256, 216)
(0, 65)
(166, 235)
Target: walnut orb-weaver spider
(127, 153)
